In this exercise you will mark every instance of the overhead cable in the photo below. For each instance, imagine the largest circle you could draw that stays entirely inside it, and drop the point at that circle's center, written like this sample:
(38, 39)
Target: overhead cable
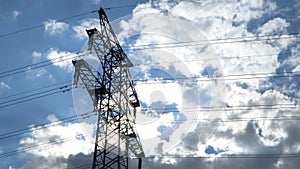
(40, 64)
(46, 125)
(49, 92)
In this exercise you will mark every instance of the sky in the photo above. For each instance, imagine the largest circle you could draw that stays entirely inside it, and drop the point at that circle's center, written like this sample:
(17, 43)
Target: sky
(217, 81)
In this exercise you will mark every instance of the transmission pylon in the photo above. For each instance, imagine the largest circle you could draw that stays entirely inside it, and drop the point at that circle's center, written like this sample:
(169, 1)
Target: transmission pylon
(114, 98)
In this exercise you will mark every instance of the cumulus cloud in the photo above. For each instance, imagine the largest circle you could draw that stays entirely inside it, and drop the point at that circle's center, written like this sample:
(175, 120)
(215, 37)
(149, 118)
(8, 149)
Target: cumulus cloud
(80, 30)
(251, 101)
(274, 26)
(53, 27)
(246, 56)
(61, 59)
(54, 145)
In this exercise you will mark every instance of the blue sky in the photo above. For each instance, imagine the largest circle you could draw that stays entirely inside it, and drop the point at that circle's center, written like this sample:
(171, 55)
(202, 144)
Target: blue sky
(172, 120)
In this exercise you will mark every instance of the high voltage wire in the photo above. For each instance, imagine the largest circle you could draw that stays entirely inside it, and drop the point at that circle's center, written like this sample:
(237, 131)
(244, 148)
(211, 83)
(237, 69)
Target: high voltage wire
(46, 145)
(49, 92)
(43, 145)
(60, 20)
(212, 78)
(234, 156)
(33, 90)
(119, 7)
(66, 57)
(91, 114)
(208, 108)
(66, 88)
(31, 95)
(54, 142)
(39, 64)
(39, 127)
(212, 41)
(233, 120)
(33, 98)
(42, 25)
(87, 115)
(46, 125)
(65, 19)
(79, 54)
(216, 58)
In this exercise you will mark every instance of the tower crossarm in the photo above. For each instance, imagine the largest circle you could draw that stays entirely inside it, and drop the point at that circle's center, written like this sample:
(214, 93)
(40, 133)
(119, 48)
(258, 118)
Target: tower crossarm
(104, 40)
(88, 77)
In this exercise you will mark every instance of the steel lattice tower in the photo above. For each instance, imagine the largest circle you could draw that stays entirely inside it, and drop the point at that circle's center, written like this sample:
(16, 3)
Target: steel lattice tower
(114, 98)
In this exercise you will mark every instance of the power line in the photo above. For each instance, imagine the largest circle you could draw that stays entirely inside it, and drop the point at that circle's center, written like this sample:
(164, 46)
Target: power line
(38, 95)
(79, 54)
(225, 77)
(249, 108)
(39, 127)
(231, 107)
(217, 58)
(150, 81)
(61, 20)
(89, 114)
(66, 88)
(46, 125)
(31, 95)
(66, 57)
(53, 142)
(42, 25)
(233, 156)
(33, 90)
(119, 7)
(39, 64)
(233, 120)
(214, 41)
(43, 145)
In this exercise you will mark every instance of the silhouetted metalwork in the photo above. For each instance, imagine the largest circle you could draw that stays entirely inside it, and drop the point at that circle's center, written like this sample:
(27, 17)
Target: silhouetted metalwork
(114, 98)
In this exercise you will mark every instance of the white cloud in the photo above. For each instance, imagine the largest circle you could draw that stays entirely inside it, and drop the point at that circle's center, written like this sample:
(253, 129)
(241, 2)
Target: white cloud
(53, 27)
(274, 26)
(185, 21)
(60, 138)
(293, 60)
(216, 20)
(39, 72)
(15, 14)
(36, 56)
(61, 59)
(85, 24)
(237, 11)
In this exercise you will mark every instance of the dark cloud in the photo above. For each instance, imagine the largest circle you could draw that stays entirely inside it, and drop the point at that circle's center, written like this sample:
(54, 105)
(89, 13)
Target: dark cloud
(75, 161)
(45, 162)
